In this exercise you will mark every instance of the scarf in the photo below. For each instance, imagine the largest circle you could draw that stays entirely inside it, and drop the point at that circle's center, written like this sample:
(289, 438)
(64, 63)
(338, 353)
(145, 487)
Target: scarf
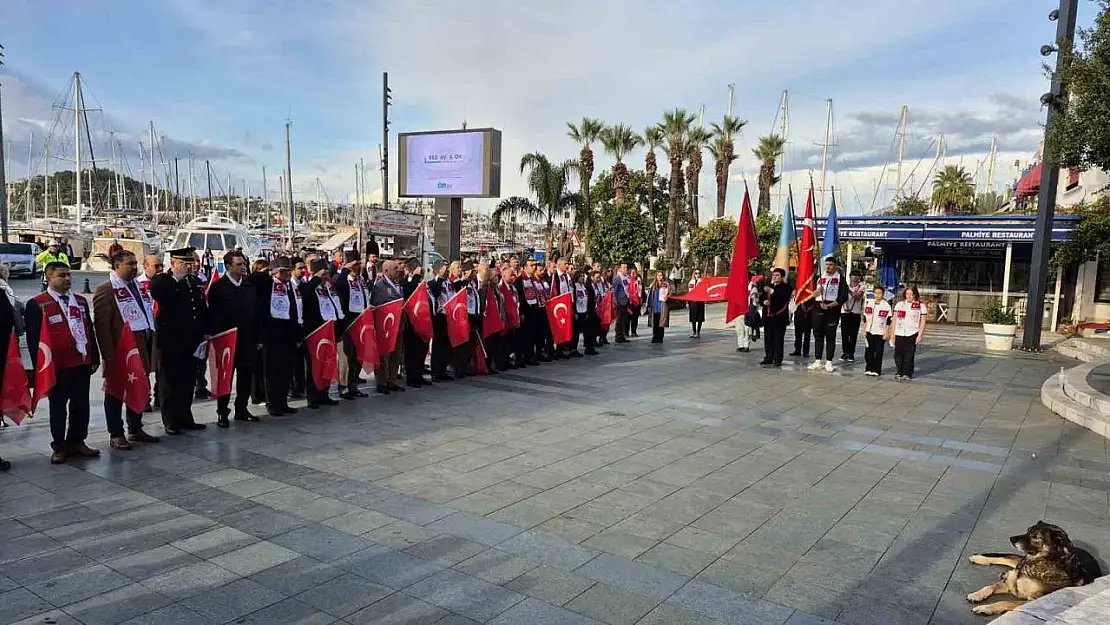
(137, 313)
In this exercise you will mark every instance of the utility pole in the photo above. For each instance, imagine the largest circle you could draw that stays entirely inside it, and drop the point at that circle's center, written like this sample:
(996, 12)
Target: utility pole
(3, 180)
(1050, 179)
(289, 180)
(387, 100)
(902, 123)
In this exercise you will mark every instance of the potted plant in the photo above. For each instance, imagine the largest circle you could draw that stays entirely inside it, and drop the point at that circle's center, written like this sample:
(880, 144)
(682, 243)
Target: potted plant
(999, 326)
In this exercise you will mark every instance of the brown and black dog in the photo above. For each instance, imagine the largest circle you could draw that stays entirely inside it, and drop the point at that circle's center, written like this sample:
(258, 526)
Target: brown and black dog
(1048, 562)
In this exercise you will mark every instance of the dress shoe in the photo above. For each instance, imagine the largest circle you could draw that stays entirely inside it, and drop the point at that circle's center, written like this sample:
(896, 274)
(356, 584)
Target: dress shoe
(246, 416)
(313, 405)
(446, 377)
(288, 410)
(172, 431)
(381, 391)
(275, 413)
(328, 401)
(795, 353)
(395, 388)
(575, 354)
(592, 352)
(194, 426)
(762, 363)
(202, 393)
(415, 383)
(142, 437)
(83, 450)
(58, 457)
(120, 443)
(355, 394)
(296, 395)
(5, 465)
(426, 381)
(361, 380)
(222, 422)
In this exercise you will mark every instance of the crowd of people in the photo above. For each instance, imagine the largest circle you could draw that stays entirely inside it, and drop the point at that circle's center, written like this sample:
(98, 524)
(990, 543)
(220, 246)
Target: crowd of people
(273, 305)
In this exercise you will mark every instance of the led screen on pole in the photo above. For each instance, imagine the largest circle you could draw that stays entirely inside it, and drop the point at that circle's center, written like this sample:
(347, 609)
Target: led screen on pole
(450, 163)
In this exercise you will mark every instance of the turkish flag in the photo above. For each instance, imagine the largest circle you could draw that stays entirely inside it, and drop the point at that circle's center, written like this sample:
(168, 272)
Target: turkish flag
(512, 311)
(221, 361)
(124, 374)
(605, 310)
(15, 394)
(44, 368)
(365, 337)
(804, 282)
(491, 323)
(458, 323)
(480, 358)
(744, 249)
(387, 321)
(320, 344)
(211, 280)
(558, 315)
(418, 310)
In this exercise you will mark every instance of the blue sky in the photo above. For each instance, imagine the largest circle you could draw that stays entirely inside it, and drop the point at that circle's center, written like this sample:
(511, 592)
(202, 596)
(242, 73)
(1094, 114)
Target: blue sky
(219, 77)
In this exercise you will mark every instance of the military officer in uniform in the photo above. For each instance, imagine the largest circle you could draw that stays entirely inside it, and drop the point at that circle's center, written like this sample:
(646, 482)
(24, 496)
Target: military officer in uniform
(182, 319)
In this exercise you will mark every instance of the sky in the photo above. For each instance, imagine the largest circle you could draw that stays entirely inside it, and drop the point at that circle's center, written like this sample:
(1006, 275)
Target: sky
(219, 78)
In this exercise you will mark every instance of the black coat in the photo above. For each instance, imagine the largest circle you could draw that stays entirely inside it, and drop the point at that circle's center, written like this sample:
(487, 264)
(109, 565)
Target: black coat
(7, 325)
(233, 306)
(343, 290)
(183, 317)
(311, 304)
(270, 328)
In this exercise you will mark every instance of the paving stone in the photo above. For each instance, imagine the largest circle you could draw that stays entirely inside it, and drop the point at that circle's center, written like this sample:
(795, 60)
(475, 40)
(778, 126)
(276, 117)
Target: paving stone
(401, 535)
(702, 541)
(321, 542)
(720, 603)
(190, 580)
(553, 585)
(669, 557)
(233, 600)
(254, 558)
(48, 565)
(637, 577)
(78, 585)
(494, 565)
(54, 617)
(548, 551)
(297, 575)
(397, 609)
(393, 569)
(21, 603)
(288, 612)
(26, 546)
(536, 612)
(152, 562)
(612, 605)
(344, 595)
(117, 605)
(214, 542)
(620, 544)
(479, 529)
(668, 614)
(359, 521)
(446, 550)
(465, 595)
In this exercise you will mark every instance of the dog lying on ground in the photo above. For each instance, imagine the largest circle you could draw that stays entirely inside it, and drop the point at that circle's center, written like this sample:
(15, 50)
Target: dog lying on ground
(1048, 562)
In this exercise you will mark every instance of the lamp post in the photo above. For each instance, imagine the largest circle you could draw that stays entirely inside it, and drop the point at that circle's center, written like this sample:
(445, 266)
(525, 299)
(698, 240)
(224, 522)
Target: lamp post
(1050, 179)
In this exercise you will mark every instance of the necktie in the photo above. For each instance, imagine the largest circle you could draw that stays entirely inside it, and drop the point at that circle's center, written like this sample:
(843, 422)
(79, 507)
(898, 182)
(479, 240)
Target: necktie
(65, 301)
(131, 286)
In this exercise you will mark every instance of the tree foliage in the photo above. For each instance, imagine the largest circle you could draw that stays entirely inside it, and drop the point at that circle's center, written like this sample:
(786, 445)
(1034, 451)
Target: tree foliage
(768, 151)
(1088, 240)
(1079, 135)
(989, 202)
(710, 241)
(953, 190)
(910, 205)
(549, 182)
(768, 226)
(621, 233)
(640, 195)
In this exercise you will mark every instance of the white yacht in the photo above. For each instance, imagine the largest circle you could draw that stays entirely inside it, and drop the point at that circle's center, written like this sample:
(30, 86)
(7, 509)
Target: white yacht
(216, 233)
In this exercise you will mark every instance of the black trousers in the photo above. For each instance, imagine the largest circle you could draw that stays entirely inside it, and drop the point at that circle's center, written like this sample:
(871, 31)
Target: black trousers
(69, 406)
(258, 380)
(539, 332)
(824, 332)
(633, 318)
(803, 325)
(113, 417)
(299, 370)
(244, 377)
(621, 331)
(905, 350)
(849, 333)
(415, 350)
(281, 358)
(586, 327)
(200, 370)
(873, 354)
(441, 345)
(657, 329)
(507, 348)
(177, 373)
(524, 350)
(464, 354)
(774, 342)
(492, 344)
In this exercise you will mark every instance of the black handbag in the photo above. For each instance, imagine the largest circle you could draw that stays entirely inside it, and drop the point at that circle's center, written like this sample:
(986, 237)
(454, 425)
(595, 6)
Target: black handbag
(753, 319)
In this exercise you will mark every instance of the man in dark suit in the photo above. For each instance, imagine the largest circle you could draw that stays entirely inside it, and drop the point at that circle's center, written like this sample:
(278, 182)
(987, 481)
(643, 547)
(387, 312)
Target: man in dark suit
(279, 332)
(440, 290)
(354, 297)
(233, 303)
(320, 304)
(117, 302)
(415, 349)
(385, 291)
(180, 328)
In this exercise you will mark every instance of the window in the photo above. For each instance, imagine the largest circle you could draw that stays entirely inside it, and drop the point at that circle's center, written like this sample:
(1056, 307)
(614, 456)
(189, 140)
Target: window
(21, 249)
(196, 240)
(229, 242)
(1102, 281)
(215, 242)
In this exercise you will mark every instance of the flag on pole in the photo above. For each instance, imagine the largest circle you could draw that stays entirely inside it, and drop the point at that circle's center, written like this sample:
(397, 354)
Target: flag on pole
(419, 313)
(124, 374)
(320, 344)
(221, 361)
(832, 235)
(788, 237)
(45, 377)
(387, 322)
(458, 322)
(803, 287)
(211, 280)
(15, 398)
(744, 249)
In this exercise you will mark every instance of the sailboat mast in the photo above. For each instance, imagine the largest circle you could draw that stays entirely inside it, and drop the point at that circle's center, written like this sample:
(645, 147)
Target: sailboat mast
(265, 201)
(319, 210)
(46, 184)
(153, 189)
(77, 139)
(246, 203)
(825, 154)
(193, 183)
(902, 123)
(289, 179)
(990, 165)
(142, 175)
(208, 168)
(115, 174)
(27, 187)
(179, 202)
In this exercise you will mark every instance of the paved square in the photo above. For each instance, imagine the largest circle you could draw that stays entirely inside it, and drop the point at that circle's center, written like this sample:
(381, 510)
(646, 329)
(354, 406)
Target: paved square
(654, 484)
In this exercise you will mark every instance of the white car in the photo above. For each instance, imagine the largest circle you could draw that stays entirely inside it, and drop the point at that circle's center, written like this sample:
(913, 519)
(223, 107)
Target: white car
(20, 258)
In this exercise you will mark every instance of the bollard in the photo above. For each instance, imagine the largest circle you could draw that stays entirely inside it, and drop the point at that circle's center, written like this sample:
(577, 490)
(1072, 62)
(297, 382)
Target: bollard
(87, 290)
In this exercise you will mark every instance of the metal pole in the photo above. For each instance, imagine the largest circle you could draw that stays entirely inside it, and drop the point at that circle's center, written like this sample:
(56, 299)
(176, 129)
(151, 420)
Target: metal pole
(265, 199)
(825, 154)
(1046, 199)
(901, 148)
(385, 141)
(289, 180)
(77, 139)
(180, 201)
(1006, 273)
(208, 167)
(3, 182)
(153, 189)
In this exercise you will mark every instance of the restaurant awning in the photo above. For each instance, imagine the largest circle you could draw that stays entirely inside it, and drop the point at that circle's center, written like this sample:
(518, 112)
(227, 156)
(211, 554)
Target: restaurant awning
(1030, 183)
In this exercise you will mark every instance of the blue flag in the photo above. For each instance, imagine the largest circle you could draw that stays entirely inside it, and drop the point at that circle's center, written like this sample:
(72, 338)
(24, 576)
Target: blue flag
(832, 236)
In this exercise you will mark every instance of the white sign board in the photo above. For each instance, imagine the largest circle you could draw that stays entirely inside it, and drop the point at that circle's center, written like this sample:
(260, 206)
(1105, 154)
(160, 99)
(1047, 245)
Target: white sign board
(381, 221)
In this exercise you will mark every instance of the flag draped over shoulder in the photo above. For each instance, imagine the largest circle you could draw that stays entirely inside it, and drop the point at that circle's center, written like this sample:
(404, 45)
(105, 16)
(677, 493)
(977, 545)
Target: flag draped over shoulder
(788, 237)
(744, 249)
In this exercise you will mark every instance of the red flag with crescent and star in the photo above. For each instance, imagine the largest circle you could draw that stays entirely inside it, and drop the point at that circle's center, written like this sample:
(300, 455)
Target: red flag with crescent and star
(320, 344)
(458, 322)
(419, 312)
(558, 315)
(15, 394)
(387, 321)
(480, 358)
(124, 374)
(365, 337)
(512, 311)
(605, 310)
(491, 322)
(221, 361)
(44, 368)
(807, 262)
(211, 280)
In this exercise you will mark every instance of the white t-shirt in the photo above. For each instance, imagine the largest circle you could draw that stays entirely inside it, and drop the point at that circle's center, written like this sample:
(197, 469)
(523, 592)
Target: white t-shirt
(909, 317)
(877, 317)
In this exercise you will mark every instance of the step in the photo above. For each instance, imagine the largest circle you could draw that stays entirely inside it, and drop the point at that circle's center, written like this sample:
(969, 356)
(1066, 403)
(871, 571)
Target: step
(1054, 398)
(1067, 606)
(1079, 390)
(1086, 350)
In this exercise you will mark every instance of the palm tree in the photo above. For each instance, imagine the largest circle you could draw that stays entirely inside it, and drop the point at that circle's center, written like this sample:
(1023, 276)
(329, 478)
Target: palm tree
(768, 152)
(725, 133)
(696, 140)
(548, 182)
(653, 138)
(619, 140)
(513, 209)
(585, 134)
(675, 125)
(953, 190)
